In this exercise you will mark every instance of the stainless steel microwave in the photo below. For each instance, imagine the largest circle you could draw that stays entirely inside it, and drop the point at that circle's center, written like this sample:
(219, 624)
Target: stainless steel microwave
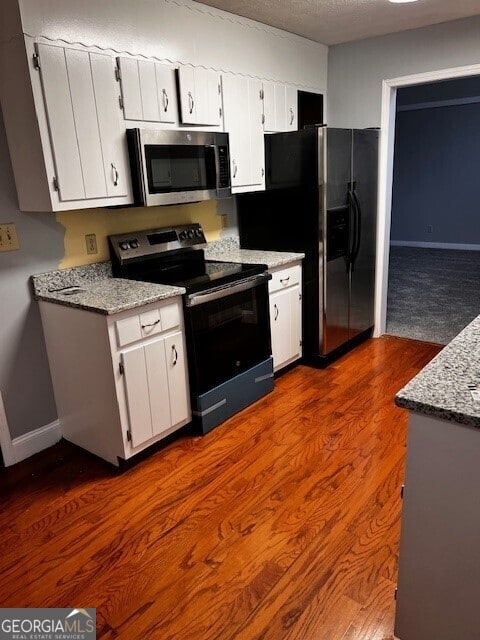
(174, 167)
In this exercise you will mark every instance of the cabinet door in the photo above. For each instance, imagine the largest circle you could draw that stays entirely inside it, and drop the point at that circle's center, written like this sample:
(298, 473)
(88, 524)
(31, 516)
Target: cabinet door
(86, 122)
(158, 388)
(292, 108)
(111, 127)
(280, 107)
(166, 92)
(268, 107)
(61, 122)
(148, 91)
(186, 85)
(131, 94)
(138, 396)
(285, 320)
(257, 140)
(214, 97)
(177, 378)
(237, 123)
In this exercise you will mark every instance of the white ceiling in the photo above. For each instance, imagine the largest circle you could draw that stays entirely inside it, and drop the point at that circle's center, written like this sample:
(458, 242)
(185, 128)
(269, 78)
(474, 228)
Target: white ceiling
(336, 21)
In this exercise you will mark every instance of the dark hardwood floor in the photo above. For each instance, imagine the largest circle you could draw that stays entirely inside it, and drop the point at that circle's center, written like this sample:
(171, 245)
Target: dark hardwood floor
(283, 523)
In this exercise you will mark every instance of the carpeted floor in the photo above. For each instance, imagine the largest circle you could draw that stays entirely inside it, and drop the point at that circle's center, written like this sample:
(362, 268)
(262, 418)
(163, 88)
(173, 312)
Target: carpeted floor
(432, 293)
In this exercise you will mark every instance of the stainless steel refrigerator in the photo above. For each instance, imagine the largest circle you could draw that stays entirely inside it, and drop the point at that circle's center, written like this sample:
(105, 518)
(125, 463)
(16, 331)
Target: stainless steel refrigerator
(321, 199)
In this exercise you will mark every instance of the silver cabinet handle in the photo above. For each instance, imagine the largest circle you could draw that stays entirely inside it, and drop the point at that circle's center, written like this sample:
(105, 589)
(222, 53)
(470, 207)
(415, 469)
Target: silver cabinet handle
(151, 324)
(115, 175)
(191, 102)
(277, 312)
(175, 355)
(235, 168)
(292, 116)
(165, 100)
(284, 281)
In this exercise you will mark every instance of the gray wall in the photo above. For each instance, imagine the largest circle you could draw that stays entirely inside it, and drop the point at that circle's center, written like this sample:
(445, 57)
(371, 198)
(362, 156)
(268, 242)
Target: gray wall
(24, 374)
(356, 69)
(436, 163)
(436, 174)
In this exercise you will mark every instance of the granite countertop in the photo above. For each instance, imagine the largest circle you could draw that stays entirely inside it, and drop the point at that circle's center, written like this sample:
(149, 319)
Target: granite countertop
(94, 289)
(441, 389)
(228, 250)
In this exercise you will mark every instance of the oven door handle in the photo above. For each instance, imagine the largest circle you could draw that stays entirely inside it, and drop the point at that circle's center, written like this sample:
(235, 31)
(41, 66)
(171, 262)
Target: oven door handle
(222, 292)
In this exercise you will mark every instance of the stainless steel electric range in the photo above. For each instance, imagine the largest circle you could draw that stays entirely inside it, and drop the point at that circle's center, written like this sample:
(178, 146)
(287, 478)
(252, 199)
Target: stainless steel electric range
(226, 313)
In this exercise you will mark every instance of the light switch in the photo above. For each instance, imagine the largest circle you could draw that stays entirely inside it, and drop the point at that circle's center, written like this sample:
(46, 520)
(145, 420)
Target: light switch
(8, 237)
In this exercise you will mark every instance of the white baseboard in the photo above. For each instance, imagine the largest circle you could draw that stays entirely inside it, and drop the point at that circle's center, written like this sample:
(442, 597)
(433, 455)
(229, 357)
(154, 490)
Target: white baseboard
(435, 245)
(35, 441)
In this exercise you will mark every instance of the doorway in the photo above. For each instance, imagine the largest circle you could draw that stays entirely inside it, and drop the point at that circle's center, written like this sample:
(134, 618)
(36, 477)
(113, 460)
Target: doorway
(434, 274)
(388, 127)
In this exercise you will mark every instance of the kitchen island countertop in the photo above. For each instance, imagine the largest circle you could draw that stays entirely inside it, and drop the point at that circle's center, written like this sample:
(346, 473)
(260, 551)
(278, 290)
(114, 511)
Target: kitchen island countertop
(442, 388)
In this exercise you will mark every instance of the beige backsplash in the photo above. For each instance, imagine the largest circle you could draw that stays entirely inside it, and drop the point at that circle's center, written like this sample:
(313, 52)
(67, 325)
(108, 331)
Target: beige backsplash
(104, 222)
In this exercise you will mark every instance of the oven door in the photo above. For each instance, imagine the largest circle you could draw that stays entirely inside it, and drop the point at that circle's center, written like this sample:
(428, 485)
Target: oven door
(228, 331)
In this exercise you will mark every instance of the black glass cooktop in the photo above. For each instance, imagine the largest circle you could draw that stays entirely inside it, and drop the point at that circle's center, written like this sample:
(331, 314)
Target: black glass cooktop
(196, 275)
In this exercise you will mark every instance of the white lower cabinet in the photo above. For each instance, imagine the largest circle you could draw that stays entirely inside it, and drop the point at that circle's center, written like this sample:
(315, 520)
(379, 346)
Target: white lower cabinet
(120, 381)
(286, 315)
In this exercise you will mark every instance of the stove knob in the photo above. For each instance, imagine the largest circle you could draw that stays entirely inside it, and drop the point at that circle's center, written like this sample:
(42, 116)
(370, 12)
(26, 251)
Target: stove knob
(190, 234)
(124, 246)
(182, 235)
(134, 244)
(198, 233)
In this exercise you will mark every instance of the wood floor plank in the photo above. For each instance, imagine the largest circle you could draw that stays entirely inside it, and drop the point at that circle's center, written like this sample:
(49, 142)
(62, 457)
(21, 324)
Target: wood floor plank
(283, 523)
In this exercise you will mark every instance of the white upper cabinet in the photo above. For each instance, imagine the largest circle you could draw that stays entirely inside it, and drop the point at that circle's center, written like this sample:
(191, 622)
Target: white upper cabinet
(86, 134)
(58, 104)
(148, 90)
(166, 92)
(280, 110)
(200, 96)
(110, 125)
(242, 112)
(291, 101)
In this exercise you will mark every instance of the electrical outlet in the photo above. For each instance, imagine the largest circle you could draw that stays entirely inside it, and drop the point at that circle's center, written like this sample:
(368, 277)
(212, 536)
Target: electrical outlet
(91, 242)
(429, 228)
(8, 237)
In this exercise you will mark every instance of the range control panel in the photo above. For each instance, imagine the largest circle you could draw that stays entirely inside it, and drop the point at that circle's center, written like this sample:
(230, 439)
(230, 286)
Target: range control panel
(137, 244)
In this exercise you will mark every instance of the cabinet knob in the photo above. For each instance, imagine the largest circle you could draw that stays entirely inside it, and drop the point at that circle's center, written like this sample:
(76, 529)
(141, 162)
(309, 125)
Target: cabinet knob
(175, 355)
(191, 102)
(292, 116)
(165, 100)
(284, 281)
(277, 312)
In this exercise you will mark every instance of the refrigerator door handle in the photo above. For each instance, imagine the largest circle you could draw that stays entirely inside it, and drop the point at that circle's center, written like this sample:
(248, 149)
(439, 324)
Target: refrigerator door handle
(358, 229)
(352, 232)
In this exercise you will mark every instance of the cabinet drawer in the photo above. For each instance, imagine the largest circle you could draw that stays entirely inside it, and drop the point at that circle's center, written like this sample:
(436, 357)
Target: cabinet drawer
(283, 278)
(150, 323)
(170, 314)
(143, 325)
(128, 330)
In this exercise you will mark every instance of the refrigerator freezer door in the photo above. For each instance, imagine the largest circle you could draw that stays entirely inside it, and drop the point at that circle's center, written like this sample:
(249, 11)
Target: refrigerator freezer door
(365, 169)
(336, 279)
